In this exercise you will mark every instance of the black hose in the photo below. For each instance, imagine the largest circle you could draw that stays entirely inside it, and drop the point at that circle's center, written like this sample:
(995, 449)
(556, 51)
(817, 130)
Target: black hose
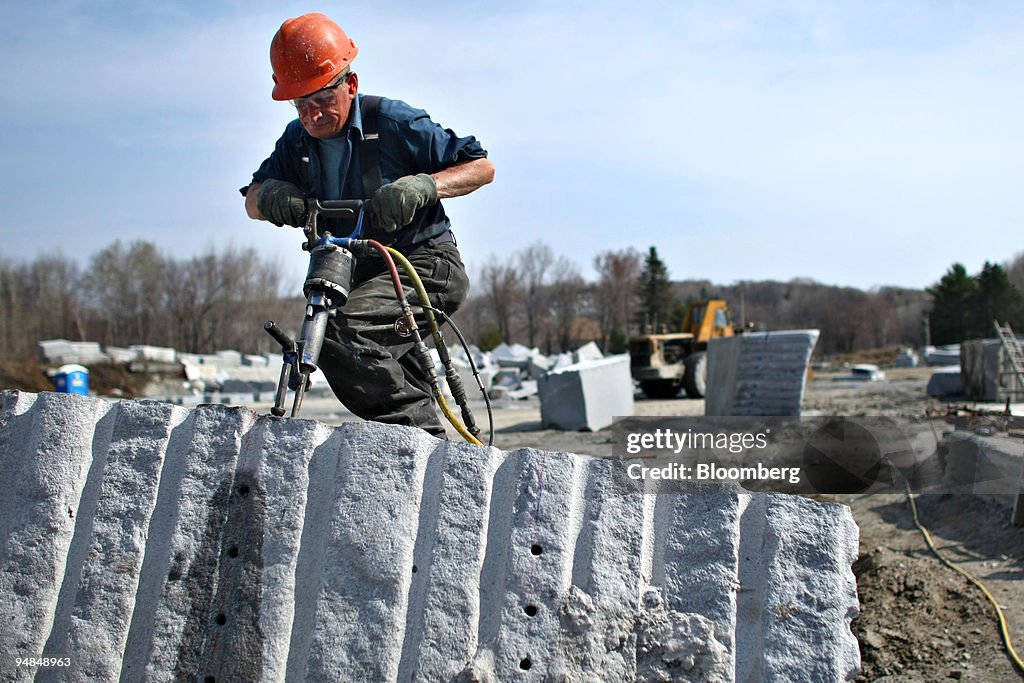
(476, 372)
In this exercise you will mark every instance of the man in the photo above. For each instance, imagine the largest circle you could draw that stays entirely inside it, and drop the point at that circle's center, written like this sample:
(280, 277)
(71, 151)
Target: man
(345, 145)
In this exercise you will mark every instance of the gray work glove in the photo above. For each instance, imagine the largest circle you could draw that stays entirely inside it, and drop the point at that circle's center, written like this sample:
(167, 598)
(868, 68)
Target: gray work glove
(282, 203)
(394, 204)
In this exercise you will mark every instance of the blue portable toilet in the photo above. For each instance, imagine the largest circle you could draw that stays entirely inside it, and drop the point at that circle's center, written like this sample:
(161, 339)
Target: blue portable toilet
(72, 379)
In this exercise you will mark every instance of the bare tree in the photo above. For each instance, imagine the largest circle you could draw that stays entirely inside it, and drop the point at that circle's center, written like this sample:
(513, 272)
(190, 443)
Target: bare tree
(875, 317)
(220, 301)
(615, 295)
(565, 294)
(40, 300)
(473, 319)
(500, 281)
(126, 285)
(535, 263)
(15, 318)
(52, 293)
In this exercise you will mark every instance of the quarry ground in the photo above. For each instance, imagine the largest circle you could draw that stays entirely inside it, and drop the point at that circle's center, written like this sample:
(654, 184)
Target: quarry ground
(919, 620)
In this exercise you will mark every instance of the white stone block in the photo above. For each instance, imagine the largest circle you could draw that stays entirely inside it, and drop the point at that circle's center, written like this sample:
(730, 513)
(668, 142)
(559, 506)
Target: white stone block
(586, 396)
(588, 351)
(62, 351)
(154, 354)
(229, 358)
(120, 355)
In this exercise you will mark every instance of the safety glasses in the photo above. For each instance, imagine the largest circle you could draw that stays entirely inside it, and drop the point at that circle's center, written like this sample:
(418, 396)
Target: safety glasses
(324, 97)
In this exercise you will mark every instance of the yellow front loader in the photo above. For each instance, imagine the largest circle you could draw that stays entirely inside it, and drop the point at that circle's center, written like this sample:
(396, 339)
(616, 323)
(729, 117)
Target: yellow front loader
(665, 363)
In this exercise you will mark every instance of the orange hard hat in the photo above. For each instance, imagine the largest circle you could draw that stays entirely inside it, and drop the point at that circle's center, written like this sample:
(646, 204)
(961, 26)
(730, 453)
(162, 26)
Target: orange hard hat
(307, 53)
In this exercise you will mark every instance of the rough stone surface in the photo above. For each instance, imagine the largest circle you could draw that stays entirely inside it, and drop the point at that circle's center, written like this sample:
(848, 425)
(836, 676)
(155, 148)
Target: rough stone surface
(761, 373)
(985, 372)
(587, 395)
(148, 542)
(988, 466)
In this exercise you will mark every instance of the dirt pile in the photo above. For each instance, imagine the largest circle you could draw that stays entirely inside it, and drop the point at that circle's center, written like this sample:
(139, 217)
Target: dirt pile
(920, 621)
(104, 379)
(24, 376)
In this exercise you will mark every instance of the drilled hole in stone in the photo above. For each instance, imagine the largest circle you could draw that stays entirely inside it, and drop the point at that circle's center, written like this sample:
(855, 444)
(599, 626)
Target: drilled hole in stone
(209, 679)
(221, 619)
(531, 610)
(525, 664)
(536, 549)
(243, 490)
(414, 569)
(233, 551)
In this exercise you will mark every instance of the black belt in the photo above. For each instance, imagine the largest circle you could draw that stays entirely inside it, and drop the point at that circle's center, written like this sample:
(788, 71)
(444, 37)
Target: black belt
(446, 237)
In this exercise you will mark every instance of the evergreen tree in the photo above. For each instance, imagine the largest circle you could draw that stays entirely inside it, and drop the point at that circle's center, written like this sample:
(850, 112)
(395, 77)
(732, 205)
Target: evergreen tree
(490, 338)
(617, 342)
(964, 307)
(657, 303)
(951, 301)
(996, 299)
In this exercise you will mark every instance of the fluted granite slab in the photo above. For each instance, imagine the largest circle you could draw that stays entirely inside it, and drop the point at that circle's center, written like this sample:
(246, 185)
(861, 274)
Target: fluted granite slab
(147, 542)
(759, 373)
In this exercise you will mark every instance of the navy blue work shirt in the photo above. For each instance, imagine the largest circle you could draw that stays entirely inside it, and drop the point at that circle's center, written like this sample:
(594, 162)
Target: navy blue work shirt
(409, 143)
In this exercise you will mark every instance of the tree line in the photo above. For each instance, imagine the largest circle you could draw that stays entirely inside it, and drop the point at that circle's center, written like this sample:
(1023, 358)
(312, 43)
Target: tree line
(133, 294)
(538, 299)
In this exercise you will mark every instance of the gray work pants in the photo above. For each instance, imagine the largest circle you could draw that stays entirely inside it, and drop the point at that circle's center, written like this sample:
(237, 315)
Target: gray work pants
(368, 356)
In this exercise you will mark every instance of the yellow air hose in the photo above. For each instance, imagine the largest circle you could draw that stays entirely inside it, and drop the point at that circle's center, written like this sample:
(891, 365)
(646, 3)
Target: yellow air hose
(421, 292)
(1004, 630)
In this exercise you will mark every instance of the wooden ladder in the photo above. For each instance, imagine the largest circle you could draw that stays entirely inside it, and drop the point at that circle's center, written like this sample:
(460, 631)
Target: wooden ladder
(1013, 359)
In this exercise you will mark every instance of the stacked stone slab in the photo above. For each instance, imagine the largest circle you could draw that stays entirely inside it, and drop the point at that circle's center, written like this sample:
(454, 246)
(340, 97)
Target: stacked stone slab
(147, 542)
(586, 396)
(155, 354)
(761, 373)
(62, 352)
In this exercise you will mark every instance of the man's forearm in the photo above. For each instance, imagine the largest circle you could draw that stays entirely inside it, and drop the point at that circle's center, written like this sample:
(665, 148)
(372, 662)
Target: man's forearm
(454, 181)
(251, 197)
(463, 178)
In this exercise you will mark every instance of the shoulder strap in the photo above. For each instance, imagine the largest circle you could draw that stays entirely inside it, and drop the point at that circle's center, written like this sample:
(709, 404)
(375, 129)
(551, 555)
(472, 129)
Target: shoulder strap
(369, 148)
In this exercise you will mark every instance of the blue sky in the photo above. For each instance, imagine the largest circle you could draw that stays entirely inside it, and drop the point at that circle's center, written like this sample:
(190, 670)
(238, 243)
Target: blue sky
(854, 143)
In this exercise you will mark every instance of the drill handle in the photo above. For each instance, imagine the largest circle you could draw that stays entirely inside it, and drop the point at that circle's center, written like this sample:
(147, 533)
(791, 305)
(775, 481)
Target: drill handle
(287, 343)
(328, 208)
